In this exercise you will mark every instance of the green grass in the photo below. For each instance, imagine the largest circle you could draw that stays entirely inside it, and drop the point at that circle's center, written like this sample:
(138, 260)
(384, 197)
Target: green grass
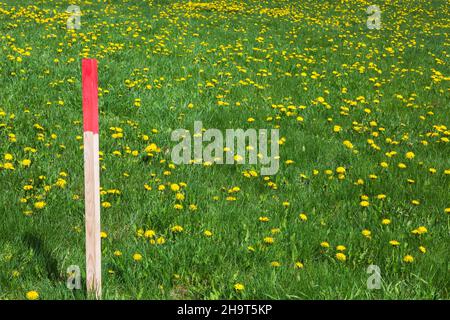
(262, 54)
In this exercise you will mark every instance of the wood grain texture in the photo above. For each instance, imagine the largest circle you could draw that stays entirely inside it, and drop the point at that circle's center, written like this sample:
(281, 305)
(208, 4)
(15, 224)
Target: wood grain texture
(92, 213)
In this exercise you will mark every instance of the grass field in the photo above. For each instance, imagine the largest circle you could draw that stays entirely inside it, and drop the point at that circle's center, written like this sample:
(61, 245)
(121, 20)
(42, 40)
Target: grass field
(364, 174)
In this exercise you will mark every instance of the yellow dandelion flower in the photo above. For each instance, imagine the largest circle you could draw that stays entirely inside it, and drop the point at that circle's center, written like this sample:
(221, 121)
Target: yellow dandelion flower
(149, 233)
(40, 205)
(348, 144)
(410, 155)
(340, 170)
(177, 229)
(8, 166)
(161, 240)
(208, 233)
(275, 264)
(364, 203)
(239, 287)
(366, 233)
(408, 258)
(420, 230)
(106, 204)
(32, 295)
(137, 257)
(341, 257)
(324, 244)
(394, 243)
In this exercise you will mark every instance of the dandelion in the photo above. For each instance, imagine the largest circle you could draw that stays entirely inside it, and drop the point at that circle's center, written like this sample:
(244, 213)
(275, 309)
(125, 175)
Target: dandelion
(269, 240)
(151, 148)
(299, 265)
(149, 233)
(402, 165)
(275, 264)
(385, 222)
(303, 217)
(341, 248)
(208, 233)
(40, 205)
(32, 295)
(348, 144)
(8, 166)
(340, 170)
(408, 259)
(420, 230)
(61, 183)
(137, 257)
(275, 230)
(394, 243)
(106, 204)
(179, 196)
(239, 287)
(364, 203)
(117, 253)
(177, 229)
(341, 257)
(324, 244)
(161, 240)
(103, 235)
(410, 155)
(366, 233)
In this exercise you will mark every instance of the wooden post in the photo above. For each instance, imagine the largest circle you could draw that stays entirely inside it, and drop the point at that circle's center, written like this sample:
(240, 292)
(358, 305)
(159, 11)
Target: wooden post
(91, 177)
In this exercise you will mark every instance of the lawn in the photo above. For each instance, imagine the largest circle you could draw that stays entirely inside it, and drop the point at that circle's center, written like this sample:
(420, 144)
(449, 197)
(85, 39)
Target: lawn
(363, 116)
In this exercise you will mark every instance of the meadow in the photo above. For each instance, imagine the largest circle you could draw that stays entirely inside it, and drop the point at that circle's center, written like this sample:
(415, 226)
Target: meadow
(364, 176)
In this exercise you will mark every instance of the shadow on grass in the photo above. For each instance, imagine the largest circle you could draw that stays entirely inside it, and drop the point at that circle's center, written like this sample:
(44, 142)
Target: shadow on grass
(44, 255)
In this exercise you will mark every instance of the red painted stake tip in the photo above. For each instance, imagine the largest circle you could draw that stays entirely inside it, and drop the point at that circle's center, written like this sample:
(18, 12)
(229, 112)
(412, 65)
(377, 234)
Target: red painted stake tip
(90, 94)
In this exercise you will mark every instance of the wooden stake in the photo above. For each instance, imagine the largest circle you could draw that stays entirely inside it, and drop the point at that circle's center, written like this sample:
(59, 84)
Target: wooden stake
(91, 177)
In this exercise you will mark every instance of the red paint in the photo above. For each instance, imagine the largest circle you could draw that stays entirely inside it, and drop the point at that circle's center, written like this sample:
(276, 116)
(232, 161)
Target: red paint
(90, 94)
